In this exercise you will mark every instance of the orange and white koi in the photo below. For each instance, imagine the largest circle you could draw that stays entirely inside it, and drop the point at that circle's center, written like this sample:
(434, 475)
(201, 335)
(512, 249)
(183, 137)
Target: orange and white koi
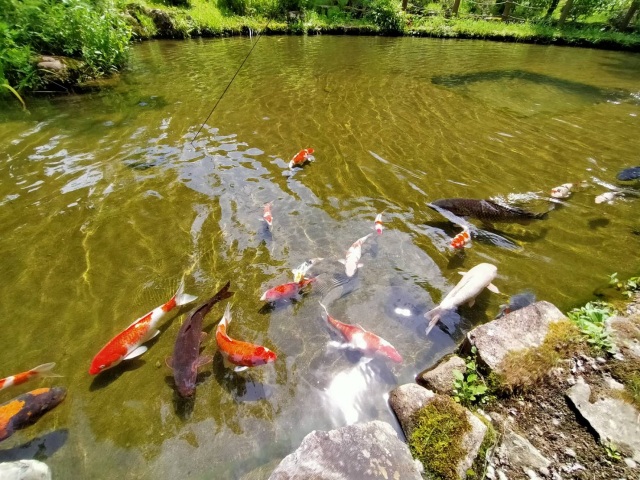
(301, 157)
(461, 240)
(353, 255)
(128, 343)
(360, 339)
(286, 290)
(267, 214)
(378, 224)
(43, 370)
(237, 354)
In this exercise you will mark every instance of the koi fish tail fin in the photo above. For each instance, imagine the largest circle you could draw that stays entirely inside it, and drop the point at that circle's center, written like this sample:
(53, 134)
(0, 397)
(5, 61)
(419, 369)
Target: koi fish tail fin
(45, 370)
(181, 297)
(226, 318)
(433, 316)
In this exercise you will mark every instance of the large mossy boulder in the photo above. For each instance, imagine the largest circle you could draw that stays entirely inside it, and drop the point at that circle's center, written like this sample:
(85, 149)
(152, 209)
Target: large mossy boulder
(444, 436)
(364, 451)
(519, 330)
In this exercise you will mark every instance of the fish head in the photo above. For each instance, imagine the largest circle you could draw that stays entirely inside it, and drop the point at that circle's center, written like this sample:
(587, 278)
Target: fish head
(390, 352)
(298, 275)
(186, 389)
(263, 355)
(103, 361)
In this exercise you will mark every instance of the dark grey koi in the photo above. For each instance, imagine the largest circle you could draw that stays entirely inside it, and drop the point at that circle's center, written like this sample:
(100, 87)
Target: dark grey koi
(186, 353)
(487, 210)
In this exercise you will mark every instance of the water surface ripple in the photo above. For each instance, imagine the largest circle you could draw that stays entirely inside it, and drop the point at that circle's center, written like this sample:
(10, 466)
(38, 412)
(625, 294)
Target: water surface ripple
(106, 201)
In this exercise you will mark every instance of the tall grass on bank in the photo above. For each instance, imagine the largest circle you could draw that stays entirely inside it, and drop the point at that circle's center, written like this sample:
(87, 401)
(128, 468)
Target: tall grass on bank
(92, 31)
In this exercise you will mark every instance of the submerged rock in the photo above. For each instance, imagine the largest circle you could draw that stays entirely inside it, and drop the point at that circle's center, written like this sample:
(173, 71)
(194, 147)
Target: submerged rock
(363, 451)
(613, 420)
(24, 470)
(518, 330)
(441, 378)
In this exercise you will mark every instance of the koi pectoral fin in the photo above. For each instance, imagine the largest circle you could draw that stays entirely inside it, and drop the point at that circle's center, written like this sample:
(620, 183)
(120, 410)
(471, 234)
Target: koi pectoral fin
(136, 353)
(169, 362)
(203, 360)
(492, 288)
(240, 369)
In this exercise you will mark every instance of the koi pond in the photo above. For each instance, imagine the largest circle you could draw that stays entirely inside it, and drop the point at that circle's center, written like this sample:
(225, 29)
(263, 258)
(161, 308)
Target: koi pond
(107, 201)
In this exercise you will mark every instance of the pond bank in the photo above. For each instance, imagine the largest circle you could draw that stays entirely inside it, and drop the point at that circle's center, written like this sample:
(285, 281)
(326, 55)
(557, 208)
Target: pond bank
(572, 419)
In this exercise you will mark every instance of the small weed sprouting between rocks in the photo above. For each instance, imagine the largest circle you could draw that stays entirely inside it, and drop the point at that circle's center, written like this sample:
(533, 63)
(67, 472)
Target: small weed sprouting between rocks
(591, 319)
(469, 388)
(628, 287)
(612, 451)
(437, 437)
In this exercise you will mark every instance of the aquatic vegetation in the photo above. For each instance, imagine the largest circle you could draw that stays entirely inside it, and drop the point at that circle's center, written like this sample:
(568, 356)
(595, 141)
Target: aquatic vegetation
(628, 287)
(437, 437)
(469, 387)
(522, 369)
(591, 319)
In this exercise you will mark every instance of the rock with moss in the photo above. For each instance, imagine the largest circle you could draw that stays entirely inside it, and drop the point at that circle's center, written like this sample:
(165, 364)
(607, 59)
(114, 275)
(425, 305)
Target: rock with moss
(444, 436)
(59, 72)
(440, 379)
(519, 330)
(365, 451)
(625, 333)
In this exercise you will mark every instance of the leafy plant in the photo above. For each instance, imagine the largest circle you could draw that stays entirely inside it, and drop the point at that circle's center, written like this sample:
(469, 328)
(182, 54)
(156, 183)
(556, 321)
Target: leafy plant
(591, 320)
(469, 387)
(612, 451)
(385, 14)
(628, 287)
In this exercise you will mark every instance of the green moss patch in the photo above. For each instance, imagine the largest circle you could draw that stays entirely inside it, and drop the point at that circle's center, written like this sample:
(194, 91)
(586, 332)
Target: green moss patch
(628, 372)
(437, 437)
(522, 369)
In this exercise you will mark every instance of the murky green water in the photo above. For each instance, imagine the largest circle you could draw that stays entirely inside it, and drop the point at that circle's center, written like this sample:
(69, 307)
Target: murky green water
(105, 203)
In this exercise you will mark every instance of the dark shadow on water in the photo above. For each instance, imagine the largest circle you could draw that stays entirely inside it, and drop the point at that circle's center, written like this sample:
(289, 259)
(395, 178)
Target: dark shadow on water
(183, 406)
(596, 223)
(567, 86)
(242, 386)
(39, 448)
(107, 377)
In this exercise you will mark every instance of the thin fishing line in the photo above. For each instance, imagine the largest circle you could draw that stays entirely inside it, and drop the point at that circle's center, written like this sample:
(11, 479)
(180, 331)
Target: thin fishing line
(230, 82)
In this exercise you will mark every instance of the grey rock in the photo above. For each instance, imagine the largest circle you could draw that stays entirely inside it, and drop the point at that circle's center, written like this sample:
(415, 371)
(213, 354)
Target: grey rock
(532, 475)
(51, 63)
(491, 472)
(630, 463)
(613, 420)
(440, 379)
(24, 470)
(406, 399)
(544, 471)
(611, 383)
(521, 329)
(502, 475)
(625, 333)
(520, 453)
(571, 452)
(366, 451)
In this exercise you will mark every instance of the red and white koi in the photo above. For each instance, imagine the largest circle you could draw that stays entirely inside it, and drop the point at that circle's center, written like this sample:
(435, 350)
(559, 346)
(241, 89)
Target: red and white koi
(377, 224)
(461, 240)
(43, 370)
(360, 339)
(267, 214)
(353, 255)
(128, 343)
(286, 290)
(301, 157)
(237, 354)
